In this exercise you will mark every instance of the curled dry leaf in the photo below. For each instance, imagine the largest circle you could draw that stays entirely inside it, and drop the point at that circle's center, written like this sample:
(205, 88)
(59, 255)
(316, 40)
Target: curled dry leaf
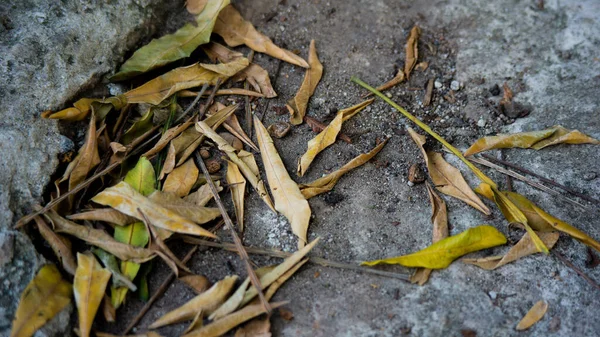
(447, 178)
(439, 218)
(232, 302)
(249, 172)
(533, 315)
(172, 47)
(88, 288)
(328, 136)
(232, 125)
(524, 247)
(100, 239)
(236, 31)
(441, 254)
(208, 301)
(169, 163)
(83, 107)
(297, 105)
(181, 180)
(125, 199)
(531, 140)
(412, 50)
(60, 245)
(198, 283)
(109, 215)
(288, 198)
(110, 262)
(237, 184)
(327, 182)
(221, 326)
(46, 295)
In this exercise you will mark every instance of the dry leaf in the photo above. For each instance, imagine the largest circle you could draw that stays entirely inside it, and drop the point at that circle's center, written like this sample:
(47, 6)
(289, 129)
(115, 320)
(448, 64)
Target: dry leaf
(412, 50)
(223, 92)
(274, 274)
(60, 245)
(249, 172)
(299, 103)
(441, 254)
(139, 127)
(524, 247)
(439, 218)
(162, 249)
(190, 211)
(288, 198)
(198, 283)
(108, 311)
(147, 334)
(533, 315)
(255, 328)
(100, 239)
(281, 279)
(83, 107)
(88, 288)
(203, 195)
(208, 301)
(534, 139)
(109, 215)
(45, 296)
(110, 262)
(181, 180)
(327, 182)
(172, 47)
(237, 185)
(196, 323)
(236, 31)
(169, 163)
(232, 302)
(221, 326)
(447, 178)
(233, 125)
(328, 136)
(125, 199)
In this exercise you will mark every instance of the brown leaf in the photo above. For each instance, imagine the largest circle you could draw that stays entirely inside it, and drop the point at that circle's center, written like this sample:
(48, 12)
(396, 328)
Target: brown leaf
(89, 286)
(327, 182)
(259, 327)
(524, 247)
(288, 198)
(195, 6)
(533, 315)
(190, 211)
(108, 311)
(446, 178)
(236, 31)
(181, 180)
(232, 302)
(59, 244)
(198, 283)
(125, 199)
(299, 103)
(203, 195)
(237, 185)
(233, 125)
(412, 50)
(110, 215)
(223, 92)
(169, 163)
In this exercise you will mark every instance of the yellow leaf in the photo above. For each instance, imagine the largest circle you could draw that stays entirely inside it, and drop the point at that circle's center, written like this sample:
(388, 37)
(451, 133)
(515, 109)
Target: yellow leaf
(534, 139)
(533, 315)
(208, 301)
(275, 273)
(160, 88)
(288, 198)
(327, 182)
(524, 247)
(328, 136)
(250, 174)
(169, 163)
(237, 185)
(125, 199)
(203, 195)
(255, 328)
(281, 280)
(236, 31)
(232, 125)
(88, 287)
(59, 244)
(45, 296)
(412, 50)
(299, 103)
(439, 218)
(440, 254)
(100, 239)
(190, 211)
(198, 283)
(82, 108)
(181, 180)
(447, 178)
(195, 6)
(221, 326)
(232, 302)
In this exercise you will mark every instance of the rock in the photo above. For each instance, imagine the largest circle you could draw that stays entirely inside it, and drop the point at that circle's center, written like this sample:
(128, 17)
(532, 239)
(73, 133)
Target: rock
(481, 122)
(454, 85)
(437, 84)
(279, 129)
(51, 51)
(495, 90)
(416, 174)
(589, 176)
(213, 166)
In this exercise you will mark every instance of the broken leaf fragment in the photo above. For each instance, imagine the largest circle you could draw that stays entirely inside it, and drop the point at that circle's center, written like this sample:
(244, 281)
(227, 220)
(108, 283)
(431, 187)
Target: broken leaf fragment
(533, 315)
(84, 106)
(440, 254)
(46, 295)
(109, 215)
(88, 287)
(198, 283)
(299, 103)
(172, 47)
(181, 180)
(236, 31)
(286, 194)
(59, 244)
(188, 210)
(259, 327)
(412, 50)
(237, 184)
(326, 183)
(531, 140)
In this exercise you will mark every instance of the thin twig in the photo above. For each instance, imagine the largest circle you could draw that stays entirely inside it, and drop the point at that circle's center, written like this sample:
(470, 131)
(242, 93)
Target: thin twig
(509, 180)
(264, 112)
(238, 243)
(208, 101)
(247, 99)
(527, 181)
(161, 290)
(577, 270)
(316, 260)
(546, 180)
(194, 102)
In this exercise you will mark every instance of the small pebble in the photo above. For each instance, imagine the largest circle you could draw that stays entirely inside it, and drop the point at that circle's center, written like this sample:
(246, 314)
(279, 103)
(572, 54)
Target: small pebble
(493, 295)
(454, 85)
(204, 153)
(389, 95)
(279, 129)
(481, 122)
(213, 166)
(410, 183)
(589, 176)
(437, 84)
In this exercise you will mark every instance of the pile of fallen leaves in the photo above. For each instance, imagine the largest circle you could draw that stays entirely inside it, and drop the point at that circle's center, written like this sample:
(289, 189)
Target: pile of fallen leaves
(139, 181)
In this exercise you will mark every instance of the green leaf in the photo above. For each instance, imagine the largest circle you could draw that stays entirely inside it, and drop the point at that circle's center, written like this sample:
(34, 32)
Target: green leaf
(138, 128)
(142, 177)
(144, 292)
(440, 254)
(175, 46)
